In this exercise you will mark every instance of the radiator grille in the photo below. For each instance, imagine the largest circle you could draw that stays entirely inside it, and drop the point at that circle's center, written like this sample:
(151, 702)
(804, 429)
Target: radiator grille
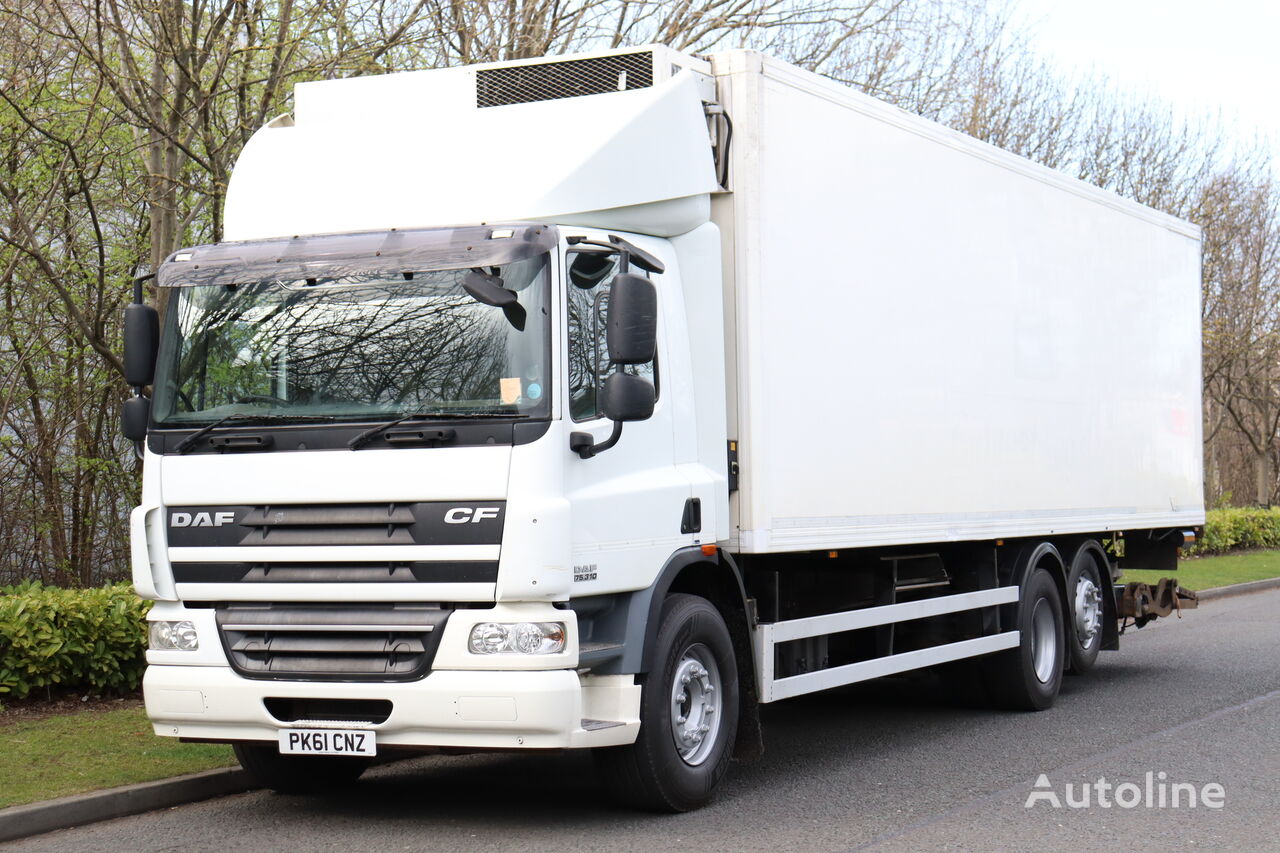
(420, 523)
(354, 524)
(549, 81)
(331, 642)
(438, 571)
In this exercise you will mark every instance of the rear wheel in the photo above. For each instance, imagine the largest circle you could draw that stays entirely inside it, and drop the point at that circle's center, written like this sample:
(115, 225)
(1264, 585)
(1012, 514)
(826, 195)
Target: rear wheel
(1084, 623)
(298, 774)
(688, 713)
(1028, 677)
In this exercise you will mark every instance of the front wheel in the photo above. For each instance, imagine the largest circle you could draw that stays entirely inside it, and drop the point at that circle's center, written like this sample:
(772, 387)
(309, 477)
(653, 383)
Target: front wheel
(688, 714)
(298, 774)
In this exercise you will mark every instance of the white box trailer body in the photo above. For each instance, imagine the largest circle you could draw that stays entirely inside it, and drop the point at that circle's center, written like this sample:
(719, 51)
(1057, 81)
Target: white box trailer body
(907, 391)
(936, 340)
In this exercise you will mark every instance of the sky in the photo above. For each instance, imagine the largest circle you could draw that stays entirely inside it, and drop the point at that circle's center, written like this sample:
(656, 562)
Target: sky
(1202, 56)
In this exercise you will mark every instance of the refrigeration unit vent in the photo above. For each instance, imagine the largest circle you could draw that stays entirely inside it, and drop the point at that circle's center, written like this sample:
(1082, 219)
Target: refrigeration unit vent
(572, 78)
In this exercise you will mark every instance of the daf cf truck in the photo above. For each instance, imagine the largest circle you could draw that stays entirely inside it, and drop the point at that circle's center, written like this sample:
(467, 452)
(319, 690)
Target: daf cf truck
(593, 402)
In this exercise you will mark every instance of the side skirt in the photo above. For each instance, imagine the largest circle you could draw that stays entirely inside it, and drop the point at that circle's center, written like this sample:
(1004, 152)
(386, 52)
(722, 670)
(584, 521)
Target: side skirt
(766, 636)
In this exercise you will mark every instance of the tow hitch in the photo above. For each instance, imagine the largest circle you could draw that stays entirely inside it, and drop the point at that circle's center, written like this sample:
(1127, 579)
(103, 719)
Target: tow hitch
(1141, 602)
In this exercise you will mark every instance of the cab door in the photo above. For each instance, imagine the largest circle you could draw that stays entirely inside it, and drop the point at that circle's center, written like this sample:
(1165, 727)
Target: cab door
(626, 503)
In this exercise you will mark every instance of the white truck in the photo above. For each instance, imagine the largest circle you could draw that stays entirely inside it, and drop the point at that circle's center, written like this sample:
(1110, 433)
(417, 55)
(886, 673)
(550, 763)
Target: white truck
(593, 401)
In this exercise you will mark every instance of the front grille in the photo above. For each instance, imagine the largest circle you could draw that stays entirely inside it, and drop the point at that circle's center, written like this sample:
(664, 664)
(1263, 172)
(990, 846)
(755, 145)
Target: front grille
(573, 78)
(331, 642)
(438, 571)
(420, 523)
(350, 524)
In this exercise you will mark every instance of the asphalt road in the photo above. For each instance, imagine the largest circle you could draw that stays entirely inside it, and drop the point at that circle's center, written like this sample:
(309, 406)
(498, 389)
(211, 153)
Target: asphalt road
(895, 765)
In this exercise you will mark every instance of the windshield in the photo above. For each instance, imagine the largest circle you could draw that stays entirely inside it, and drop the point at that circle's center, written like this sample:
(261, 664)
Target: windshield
(355, 347)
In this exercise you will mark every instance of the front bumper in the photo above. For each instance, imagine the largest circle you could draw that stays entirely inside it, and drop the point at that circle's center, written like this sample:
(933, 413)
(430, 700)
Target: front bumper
(502, 709)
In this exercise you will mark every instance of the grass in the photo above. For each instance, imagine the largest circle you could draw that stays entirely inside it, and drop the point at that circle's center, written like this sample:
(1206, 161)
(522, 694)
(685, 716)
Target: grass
(58, 755)
(1209, 572)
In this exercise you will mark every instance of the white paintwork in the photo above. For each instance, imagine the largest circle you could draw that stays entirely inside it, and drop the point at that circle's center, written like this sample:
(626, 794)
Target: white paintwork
(319, 593)
(772, 690)
(334, 476)
(412, 150)
(549, 707)
(195, 694)
(625, 504)
(934, 340)
(700, 442)
(306, 477)
(535, 538)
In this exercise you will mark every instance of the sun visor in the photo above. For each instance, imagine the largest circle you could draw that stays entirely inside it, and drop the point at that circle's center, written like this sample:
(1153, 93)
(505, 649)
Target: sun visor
(379, 253)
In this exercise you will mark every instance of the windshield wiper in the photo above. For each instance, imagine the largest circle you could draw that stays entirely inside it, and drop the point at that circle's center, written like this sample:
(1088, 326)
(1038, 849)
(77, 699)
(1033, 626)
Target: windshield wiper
(190, 441)
(373, 432)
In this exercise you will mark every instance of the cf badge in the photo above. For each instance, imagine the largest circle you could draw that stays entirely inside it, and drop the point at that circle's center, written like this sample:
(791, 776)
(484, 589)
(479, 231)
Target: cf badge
(470, 515)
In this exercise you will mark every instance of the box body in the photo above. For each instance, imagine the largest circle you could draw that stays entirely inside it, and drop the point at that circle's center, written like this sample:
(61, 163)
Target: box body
(931, 340)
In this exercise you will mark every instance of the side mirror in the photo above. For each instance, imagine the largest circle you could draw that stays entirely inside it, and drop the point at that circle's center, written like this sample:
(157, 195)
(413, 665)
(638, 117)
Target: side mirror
(627, 398)
(633, 320)
(141, 343)
(134, 415)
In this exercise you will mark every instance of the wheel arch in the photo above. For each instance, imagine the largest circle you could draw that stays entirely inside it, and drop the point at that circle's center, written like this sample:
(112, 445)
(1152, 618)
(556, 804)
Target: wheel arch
(1033, 554)
(718, 579)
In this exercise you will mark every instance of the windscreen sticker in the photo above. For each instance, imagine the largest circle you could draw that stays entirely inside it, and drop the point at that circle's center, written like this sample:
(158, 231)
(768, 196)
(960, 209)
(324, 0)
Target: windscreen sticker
(510, 388)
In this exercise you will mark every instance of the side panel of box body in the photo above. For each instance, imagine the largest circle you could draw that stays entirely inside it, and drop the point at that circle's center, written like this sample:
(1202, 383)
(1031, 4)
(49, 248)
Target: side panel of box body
(932, 340)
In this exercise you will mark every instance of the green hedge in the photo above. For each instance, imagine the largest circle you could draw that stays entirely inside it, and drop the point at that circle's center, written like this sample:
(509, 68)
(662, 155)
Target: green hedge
(89, 639)
(1239, 528)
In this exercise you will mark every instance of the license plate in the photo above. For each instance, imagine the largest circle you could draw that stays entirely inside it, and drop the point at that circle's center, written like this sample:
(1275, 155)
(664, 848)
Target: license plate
(327, 742)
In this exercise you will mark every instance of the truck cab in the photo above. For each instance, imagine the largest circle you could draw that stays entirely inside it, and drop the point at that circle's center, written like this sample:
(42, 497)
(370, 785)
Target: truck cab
(418, 485)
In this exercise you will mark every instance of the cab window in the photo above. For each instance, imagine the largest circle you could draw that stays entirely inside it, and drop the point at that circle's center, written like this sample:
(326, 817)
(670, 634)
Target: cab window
(590, 277)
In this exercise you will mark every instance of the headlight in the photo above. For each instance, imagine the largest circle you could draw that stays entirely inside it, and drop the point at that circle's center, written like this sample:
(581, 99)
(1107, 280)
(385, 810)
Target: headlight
(174, 635)
(517, 638)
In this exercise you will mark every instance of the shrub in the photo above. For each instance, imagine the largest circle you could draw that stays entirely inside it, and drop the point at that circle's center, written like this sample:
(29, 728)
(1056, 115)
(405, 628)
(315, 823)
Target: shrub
(1238, 528)
(88, 639)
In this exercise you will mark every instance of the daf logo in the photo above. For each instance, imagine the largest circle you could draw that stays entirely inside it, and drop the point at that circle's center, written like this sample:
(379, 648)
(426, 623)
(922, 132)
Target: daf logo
(465, 514)
(201, 519)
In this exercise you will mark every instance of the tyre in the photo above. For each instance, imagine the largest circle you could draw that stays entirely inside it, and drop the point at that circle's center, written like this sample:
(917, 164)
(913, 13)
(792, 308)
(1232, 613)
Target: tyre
(688, 714)
(1027, 678)
(298, 774)
(1084, 613)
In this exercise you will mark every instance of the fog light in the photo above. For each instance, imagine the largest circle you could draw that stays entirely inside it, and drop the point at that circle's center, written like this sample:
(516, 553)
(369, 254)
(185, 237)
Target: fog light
(174, 636)
(518, 638)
